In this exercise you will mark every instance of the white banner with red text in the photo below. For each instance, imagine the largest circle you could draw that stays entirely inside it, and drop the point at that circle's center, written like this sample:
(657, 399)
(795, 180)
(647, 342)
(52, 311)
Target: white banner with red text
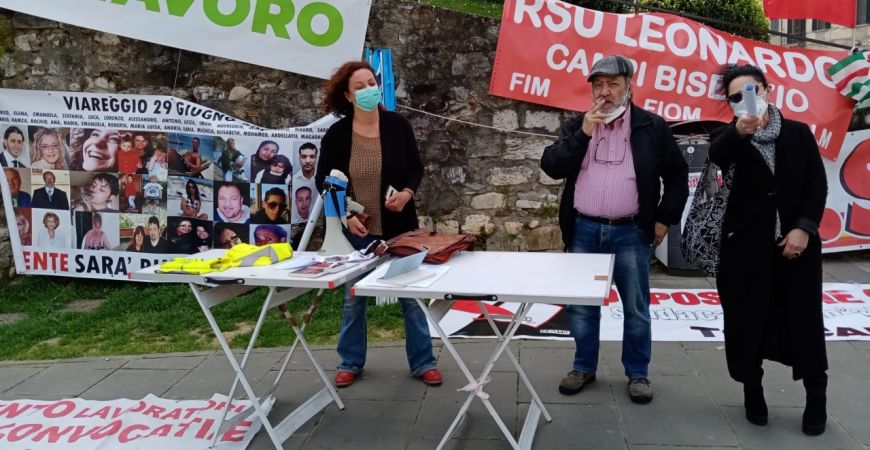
(102, 185)
(677, 315)
(149, 423)
(546, 49)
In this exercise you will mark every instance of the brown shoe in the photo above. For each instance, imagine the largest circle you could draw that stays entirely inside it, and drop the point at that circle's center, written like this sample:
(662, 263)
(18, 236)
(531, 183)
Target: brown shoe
(640, 390)
(575, 381)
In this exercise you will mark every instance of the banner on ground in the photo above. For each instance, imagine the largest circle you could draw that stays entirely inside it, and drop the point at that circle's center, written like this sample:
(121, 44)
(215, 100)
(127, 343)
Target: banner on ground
(546, 49)
(304, 36)
(150, 423)
(677, 315)
(102, 185)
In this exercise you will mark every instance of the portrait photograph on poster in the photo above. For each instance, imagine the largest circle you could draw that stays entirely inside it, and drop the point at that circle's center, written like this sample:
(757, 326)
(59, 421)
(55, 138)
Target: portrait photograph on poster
(189, 197)
(190, 155)
(49, 149)
(272, 205)
(16, 146)
(97, 230)
(51, 228)
(51, 189)
(94, 191)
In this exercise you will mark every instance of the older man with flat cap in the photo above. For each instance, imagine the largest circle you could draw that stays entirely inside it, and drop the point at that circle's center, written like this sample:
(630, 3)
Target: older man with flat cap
(615, 158)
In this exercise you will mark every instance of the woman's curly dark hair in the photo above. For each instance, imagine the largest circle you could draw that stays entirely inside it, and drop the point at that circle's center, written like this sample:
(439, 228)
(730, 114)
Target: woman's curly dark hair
(334, 100)
(730, 72)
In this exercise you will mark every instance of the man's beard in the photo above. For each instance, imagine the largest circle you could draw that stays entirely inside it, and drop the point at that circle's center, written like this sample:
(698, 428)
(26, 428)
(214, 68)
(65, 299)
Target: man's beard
(623, 101)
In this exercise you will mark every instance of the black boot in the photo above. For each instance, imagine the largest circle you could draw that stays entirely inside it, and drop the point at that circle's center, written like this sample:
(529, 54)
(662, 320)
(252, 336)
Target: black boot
(753, 401)
(815, 415)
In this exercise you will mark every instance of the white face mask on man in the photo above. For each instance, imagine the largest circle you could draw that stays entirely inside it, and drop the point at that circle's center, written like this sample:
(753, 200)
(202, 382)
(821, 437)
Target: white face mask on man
(618, 110)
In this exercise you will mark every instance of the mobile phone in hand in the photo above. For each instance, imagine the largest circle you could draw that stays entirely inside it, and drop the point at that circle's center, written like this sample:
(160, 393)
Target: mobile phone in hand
(391, 191)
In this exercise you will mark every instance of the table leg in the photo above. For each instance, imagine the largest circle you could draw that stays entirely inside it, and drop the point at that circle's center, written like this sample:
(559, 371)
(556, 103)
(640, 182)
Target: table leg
(305, 320)
(300, 339)
(472, 381)
(516, 363)
(231, 358)
(251, 343)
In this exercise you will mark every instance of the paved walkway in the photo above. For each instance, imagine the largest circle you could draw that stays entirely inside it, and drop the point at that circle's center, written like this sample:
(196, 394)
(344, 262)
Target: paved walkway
(696, 404)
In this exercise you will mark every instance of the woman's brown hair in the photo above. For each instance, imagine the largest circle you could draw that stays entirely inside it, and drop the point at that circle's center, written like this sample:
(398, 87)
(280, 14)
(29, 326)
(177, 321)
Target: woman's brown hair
(334, 100)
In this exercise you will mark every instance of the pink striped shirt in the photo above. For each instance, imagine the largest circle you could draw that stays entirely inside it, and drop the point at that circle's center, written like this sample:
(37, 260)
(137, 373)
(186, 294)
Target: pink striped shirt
(606, 187)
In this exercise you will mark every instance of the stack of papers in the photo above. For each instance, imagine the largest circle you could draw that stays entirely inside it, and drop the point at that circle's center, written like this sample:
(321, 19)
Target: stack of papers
(307, 265)
(428, 274)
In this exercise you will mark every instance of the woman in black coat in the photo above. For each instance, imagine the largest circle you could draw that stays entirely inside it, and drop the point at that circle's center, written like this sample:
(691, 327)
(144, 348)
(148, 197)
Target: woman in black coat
(770, 270)
(376, 149)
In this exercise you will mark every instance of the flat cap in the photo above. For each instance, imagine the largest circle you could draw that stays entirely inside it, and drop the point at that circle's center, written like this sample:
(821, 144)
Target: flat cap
(612, 66)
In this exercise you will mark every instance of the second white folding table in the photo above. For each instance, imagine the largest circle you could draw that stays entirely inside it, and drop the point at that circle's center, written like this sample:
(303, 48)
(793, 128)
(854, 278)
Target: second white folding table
(525, 278)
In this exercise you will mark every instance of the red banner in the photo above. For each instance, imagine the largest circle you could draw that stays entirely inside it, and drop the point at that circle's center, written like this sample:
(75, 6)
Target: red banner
(546, 48)
(841, 12)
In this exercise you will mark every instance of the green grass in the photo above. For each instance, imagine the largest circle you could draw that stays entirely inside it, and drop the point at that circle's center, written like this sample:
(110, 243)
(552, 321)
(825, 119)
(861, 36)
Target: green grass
(137, 318)
(488, 8)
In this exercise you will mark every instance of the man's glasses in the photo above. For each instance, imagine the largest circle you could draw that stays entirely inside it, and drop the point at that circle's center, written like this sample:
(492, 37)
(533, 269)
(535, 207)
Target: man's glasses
(272, 205)
(737, 97)
(602, 144)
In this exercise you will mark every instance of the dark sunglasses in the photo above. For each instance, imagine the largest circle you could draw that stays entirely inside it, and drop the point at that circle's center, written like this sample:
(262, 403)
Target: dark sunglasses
(737, 97)
(273, 205)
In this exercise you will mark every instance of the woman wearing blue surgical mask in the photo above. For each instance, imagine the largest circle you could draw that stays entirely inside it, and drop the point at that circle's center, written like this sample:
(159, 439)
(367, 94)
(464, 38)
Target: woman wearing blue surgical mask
(770, 266)
(376, 149)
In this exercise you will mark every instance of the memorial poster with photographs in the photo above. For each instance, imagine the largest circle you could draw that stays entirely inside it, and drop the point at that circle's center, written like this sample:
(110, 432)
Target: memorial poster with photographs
(102, 185)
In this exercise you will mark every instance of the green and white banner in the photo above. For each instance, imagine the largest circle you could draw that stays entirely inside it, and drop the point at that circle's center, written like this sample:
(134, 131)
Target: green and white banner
(303, 36)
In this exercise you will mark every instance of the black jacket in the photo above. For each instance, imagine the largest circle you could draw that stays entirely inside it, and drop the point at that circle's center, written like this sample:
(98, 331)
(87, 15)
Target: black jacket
(799, 188)
(5, 163)
(58, 199)
(772, 305)
(400, 165)
(657, 161)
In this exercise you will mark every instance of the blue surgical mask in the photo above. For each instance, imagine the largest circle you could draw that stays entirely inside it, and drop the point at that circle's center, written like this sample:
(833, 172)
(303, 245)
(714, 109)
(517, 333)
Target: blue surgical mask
(367, 99)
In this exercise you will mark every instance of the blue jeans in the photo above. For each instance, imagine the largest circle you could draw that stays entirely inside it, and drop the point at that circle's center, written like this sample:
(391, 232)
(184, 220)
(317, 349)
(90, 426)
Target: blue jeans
(352, 341)
(631, 275)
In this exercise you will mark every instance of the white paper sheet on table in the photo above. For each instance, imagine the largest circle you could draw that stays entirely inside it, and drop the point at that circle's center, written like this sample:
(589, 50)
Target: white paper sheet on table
(438, 270)
(295, 262)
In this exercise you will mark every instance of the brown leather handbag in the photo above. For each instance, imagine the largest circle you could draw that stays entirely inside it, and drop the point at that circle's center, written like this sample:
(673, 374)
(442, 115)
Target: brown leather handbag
(441, 246)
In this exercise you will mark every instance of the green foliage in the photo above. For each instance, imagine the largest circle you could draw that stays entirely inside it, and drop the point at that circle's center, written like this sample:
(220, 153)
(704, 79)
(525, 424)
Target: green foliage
(487, 8)
(7, 35)
(603, 5)
(747, 13)
(549, 210)
(126, 222)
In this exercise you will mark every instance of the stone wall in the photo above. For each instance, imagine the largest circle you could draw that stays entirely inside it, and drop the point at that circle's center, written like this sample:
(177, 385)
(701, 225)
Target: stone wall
(478, 180)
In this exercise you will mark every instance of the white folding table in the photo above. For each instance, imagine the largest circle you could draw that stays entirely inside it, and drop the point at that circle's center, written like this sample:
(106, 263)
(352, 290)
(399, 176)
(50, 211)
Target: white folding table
(213, 289)
(526, 278)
